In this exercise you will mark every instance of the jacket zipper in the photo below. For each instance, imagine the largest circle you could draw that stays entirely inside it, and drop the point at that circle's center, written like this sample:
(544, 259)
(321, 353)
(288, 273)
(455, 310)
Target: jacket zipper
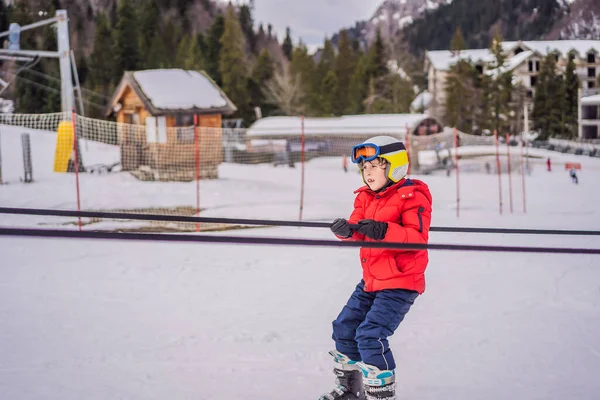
(421, 209)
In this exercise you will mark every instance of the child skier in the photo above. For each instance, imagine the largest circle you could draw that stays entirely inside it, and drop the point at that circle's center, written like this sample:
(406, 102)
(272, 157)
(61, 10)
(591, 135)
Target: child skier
(390, 208)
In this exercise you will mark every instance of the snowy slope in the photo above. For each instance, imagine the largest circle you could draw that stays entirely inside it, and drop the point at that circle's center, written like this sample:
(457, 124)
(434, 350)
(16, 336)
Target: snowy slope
(113, 320)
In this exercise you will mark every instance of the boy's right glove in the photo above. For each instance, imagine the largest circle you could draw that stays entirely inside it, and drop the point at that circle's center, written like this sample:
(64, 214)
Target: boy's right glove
(341, 227)
(372, 229)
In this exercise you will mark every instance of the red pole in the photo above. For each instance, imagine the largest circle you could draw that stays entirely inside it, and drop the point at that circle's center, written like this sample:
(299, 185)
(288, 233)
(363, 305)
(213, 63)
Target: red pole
(523, 177)
(510, 197)
(197, 145)
(76, 152)
(498, 168)
(457, 181)
(407, 145)
(302, 179)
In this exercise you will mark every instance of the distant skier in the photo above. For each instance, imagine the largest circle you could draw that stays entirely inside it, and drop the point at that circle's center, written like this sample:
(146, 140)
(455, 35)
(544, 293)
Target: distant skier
(573, 174)
(549, 164)
(345, 164)
(390, 208)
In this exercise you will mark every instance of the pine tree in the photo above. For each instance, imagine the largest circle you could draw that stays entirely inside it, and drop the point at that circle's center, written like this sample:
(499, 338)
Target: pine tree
(345, 64)
(301, 72)
(325, 65)
(571, 97)
(458, 41)
(194, 60)
(548, 100)
(377, 59)
(148, 27)
(287, 47)
(27, 95)
(157, 56)
(329, 89)
(125, 39)
(182, 52)
(459, 93)
(247, 25)
(263, 73)
(232, 65)
(359, 86)
(171, 37)
(213, 49)
(501, 87)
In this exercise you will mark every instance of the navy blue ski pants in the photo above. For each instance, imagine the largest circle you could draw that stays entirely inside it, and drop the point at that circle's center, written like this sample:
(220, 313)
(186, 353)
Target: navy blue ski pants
(364, 324)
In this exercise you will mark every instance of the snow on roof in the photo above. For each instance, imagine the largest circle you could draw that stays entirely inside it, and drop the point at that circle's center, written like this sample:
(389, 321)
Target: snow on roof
(177, 89)
(444, 59)
(359, 125)
(591, 100)
(544, 47)
(421, 101)
(511, 63)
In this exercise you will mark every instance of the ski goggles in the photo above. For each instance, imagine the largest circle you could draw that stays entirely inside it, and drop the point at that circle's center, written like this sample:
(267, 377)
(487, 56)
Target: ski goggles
(369, 151)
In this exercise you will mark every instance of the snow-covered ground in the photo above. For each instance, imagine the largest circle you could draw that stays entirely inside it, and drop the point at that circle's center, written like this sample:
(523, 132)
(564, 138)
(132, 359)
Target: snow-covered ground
(115, 320)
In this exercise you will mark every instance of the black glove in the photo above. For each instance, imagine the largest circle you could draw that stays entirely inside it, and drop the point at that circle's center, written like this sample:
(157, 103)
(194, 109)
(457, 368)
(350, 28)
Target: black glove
(341, 227)
(372, 229)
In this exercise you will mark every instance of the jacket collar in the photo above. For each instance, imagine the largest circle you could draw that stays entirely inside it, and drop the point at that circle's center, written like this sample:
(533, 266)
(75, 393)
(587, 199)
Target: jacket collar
(388, 190)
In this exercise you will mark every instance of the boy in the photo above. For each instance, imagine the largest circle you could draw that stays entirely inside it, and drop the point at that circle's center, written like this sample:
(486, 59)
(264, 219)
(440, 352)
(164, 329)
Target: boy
(390, 208)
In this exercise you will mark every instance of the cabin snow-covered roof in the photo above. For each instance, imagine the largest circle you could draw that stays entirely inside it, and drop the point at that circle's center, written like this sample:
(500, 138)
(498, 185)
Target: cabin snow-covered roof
(173, 91)
(349, 125)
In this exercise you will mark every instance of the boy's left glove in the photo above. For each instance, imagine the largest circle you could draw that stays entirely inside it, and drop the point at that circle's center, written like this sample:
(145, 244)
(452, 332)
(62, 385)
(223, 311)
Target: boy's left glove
(372, 229)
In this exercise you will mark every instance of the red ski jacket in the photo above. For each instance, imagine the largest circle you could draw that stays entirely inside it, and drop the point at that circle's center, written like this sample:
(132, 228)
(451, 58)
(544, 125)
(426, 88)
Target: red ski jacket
(406, 207)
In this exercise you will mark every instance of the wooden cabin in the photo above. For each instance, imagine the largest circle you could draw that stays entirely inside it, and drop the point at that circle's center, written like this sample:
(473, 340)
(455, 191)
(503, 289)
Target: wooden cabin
(155, 110)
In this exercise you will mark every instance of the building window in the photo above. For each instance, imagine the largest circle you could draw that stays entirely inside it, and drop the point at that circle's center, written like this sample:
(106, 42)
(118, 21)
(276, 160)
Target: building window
(591, 72)
(518, 50)
(591, 84)
(479, 68)
(533, 80)
(591, 58)
(556, 57)
(537, 65)
(530, 66)
(530, 94)
(184, 120)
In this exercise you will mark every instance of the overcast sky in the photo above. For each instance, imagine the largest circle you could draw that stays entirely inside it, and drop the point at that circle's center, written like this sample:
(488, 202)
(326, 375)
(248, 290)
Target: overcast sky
(311, 20)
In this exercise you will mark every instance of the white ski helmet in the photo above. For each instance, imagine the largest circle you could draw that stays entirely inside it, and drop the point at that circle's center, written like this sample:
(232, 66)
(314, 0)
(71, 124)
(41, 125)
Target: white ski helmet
(390, 149)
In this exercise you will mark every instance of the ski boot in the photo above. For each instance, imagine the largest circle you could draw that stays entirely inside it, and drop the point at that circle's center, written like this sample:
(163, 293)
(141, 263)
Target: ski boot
(378, 384)
(348, 378)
